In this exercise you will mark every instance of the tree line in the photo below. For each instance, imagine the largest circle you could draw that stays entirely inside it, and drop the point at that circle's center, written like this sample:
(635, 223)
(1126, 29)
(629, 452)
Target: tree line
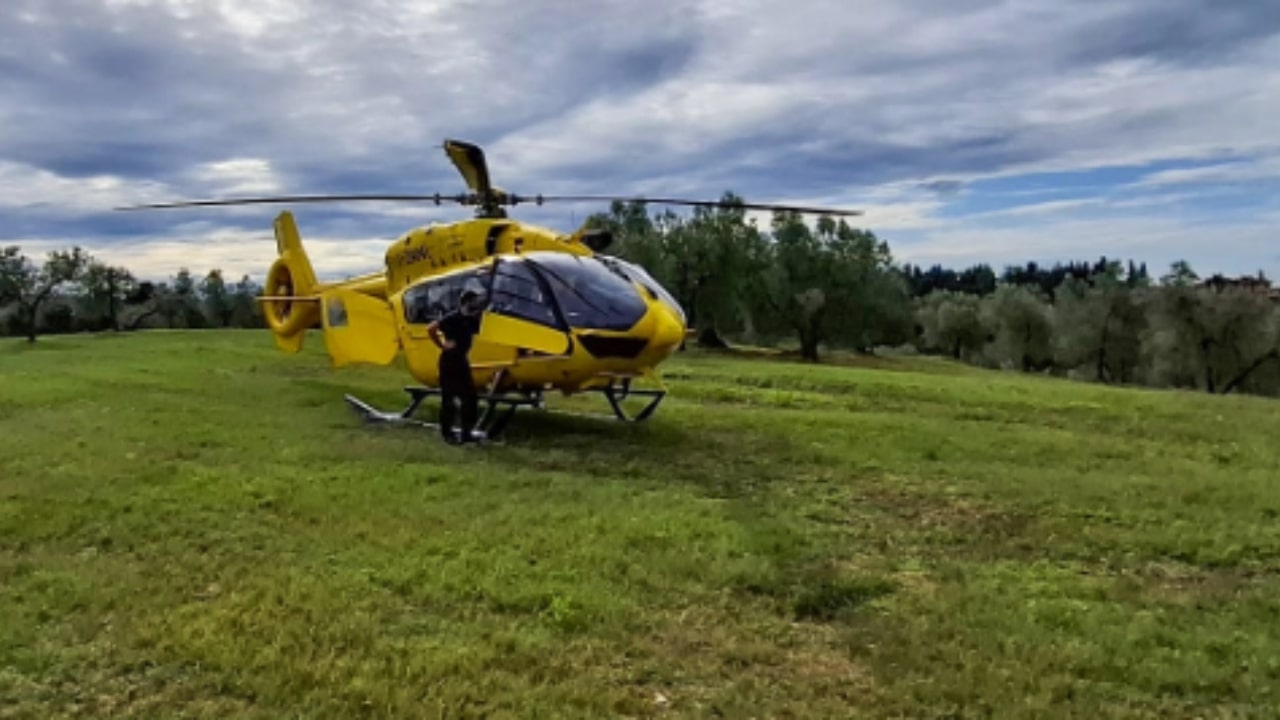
(812, 288)
(836, 286)
(72, 291)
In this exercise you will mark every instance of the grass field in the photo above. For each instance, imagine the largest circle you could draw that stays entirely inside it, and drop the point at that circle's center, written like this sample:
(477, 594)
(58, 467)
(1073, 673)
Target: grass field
(194, 525)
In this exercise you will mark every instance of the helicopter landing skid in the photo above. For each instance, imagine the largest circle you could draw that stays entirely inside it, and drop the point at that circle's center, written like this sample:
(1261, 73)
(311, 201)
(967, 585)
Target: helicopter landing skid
(617, 392)
(497, 412)
(500, 407)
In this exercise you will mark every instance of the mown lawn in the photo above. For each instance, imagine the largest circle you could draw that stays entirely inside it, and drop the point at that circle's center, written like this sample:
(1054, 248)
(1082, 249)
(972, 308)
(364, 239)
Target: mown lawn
(194, 525)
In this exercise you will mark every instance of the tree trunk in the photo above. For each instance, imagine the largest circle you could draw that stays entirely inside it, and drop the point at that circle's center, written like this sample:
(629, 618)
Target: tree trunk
(748, 323)
(810, 337)
(137, 321)
(28, 315)
(111, 301)
(1244, 374)
(709, 338)
(1102, 347)
(809, 346)
(813, 308)
(1026, 348)
(1208, 366)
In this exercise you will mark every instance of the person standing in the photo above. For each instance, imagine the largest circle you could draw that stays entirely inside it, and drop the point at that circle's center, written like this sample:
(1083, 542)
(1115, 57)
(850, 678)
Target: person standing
(458, 329)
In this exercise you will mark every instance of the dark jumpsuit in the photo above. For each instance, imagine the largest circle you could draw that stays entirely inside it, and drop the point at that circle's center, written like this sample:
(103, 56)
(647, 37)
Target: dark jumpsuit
(455, 373)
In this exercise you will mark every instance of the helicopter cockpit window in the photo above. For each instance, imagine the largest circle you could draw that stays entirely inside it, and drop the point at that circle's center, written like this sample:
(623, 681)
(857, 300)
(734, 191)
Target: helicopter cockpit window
(417, 310)
(517, 293)
(589, 294)
(432, 299)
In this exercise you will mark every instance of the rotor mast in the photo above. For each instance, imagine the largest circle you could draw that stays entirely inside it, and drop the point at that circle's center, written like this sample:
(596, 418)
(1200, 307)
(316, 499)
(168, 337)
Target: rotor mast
(469, 159)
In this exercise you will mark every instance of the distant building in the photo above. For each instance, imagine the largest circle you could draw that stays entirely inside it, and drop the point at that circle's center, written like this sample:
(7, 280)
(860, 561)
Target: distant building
(1258, 284)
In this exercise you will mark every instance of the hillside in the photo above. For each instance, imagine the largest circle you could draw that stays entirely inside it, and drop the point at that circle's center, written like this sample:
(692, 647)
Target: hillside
(191, 522)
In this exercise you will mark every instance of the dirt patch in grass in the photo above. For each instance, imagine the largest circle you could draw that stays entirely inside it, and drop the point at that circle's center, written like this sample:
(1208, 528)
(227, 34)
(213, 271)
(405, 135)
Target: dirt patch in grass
(1189, 586)
(971, 527)
(696, 665)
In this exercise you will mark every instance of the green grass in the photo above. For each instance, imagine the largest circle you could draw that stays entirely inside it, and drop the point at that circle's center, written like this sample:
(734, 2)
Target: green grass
(194, 525)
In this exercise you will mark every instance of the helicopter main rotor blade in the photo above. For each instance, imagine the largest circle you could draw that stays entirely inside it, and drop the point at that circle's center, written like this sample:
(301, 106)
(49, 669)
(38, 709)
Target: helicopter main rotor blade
(469, 159)
(539, 199)
(437, 199)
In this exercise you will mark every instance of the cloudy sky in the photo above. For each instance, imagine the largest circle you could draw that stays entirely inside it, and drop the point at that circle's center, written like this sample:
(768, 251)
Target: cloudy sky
(969, 130)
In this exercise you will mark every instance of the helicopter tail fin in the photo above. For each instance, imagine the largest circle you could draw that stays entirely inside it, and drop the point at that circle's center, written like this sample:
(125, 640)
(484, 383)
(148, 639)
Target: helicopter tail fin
(291, 303)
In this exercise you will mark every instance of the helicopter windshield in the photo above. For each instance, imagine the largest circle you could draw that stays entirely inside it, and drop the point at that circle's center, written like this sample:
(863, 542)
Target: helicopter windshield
(589, 294)
(638, 274)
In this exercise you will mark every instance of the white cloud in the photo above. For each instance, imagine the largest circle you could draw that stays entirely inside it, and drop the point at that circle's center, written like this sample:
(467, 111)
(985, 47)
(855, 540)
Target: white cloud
(1233, 248)
(1262, 168)
(1049, 207)
(24, 186)
(235, 252)
(238, 176)
(129, 101)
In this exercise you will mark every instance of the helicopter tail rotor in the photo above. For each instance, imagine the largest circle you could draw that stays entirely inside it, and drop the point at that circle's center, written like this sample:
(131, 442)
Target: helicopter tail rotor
(290, 306)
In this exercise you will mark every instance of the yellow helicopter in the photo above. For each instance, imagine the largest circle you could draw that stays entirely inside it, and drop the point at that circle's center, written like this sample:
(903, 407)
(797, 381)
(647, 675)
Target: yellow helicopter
(558, 313)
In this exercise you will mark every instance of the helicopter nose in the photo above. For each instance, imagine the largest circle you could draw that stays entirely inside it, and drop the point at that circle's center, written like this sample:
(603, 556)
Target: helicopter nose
(668, 331)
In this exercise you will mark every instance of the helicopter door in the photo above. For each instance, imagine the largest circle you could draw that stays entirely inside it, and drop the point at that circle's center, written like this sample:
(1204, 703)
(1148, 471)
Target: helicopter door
(521, 312)
(515, 332)
(358, 328)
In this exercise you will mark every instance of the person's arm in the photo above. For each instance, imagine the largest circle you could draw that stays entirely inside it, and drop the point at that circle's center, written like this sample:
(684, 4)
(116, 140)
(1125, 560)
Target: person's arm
(434, 331)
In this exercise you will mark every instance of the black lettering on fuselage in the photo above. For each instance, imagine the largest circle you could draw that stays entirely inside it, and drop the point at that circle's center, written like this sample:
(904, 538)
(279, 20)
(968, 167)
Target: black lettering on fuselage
(414, 255)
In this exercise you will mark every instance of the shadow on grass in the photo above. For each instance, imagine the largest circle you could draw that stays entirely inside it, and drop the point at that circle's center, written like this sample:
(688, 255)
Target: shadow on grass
(746, 469)
(721, 462)
(750, 468)
(906, 363)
